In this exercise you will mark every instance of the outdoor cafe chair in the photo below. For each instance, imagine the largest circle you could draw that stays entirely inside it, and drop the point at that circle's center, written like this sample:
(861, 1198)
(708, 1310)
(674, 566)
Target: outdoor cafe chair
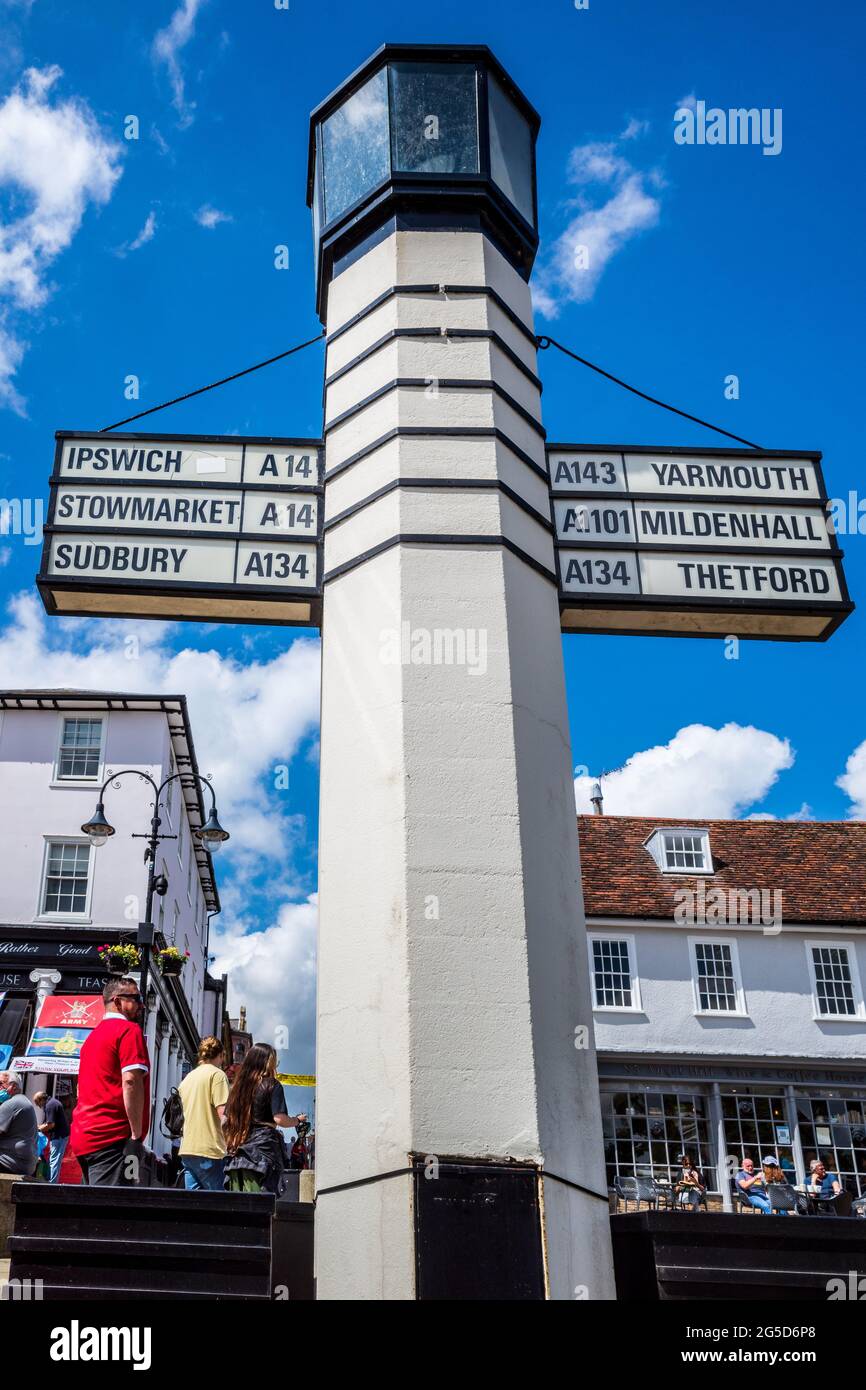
(635, 1190)
(783, 1198)
(664, 1194)
(840, 1205)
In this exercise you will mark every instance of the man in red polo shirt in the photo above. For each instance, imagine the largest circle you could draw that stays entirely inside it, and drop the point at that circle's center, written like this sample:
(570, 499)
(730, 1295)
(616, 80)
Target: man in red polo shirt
(112, 1115)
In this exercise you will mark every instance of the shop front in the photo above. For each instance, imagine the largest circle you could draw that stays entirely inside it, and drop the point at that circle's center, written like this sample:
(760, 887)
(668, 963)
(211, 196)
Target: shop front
(41, 1038)
(720, 1112)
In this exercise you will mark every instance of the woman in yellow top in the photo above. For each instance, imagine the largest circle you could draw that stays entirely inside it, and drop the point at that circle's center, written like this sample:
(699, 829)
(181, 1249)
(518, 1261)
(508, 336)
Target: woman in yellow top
(203, 1093)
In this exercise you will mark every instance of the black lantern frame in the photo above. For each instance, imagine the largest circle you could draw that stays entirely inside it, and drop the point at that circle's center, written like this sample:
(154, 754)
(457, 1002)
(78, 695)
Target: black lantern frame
(406, 199)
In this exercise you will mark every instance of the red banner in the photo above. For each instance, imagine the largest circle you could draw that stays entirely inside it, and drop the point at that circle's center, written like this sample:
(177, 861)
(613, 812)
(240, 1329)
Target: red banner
(71, 1011)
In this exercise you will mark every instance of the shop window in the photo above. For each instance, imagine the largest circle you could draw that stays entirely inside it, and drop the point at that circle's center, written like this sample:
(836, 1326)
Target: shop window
(832, 1129)
(756, 1127)
(645, 1132)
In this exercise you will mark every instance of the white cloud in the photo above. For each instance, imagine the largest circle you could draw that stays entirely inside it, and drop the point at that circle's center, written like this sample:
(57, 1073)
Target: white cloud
(689, 103)
(246, 719)
(59, 158)
(621, 208)
(702, 772)
(167, 45)
(55, 159)
(805, 813)
(853, 782)
(159, 140)
(273, 972)
(211, 217)
(11, 353)
(634, 129)
(146, 233)
(141, 239)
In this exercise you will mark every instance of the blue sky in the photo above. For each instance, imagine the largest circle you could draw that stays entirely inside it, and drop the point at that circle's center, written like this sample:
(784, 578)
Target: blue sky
(713, 261)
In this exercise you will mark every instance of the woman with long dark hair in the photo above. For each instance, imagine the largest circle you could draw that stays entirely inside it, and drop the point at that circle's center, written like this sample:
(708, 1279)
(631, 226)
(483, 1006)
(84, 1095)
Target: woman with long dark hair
(255, 1112)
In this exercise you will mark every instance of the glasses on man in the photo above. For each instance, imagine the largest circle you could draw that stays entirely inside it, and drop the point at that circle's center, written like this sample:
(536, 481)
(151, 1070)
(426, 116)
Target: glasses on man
(136, 998)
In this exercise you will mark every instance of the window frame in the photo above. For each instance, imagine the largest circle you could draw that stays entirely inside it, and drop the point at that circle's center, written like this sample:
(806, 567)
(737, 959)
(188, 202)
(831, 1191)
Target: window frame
(655, 846)
(57, 780)
(742, 1010)
(636, 1007)
(849, 947)
(44, 914)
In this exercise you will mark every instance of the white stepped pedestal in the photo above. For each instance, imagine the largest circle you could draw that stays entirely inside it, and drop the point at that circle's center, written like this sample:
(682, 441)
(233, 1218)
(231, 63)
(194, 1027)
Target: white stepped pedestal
(452, 953)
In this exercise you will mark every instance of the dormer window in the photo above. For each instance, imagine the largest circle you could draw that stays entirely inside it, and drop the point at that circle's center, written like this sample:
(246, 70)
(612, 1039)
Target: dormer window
(681, 850)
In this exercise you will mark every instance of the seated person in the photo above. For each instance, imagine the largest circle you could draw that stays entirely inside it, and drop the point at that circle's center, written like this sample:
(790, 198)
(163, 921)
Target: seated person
(772, 1171)
(822, 1185)
(689, 1185)
(748, 1182)
(18, 1127)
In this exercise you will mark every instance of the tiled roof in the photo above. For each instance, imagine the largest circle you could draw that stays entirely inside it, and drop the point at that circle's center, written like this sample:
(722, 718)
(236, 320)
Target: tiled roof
(820, 866)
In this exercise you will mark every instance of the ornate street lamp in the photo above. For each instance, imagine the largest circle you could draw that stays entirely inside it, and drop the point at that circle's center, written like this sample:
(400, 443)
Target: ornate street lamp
(211, 836)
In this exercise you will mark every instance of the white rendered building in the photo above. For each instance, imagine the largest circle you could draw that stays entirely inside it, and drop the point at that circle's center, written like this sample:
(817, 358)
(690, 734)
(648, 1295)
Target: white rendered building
(61, 898)
(726, 964)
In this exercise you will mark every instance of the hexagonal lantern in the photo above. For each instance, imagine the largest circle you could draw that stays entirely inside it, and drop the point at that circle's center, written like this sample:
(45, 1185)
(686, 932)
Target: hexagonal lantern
(423, 135)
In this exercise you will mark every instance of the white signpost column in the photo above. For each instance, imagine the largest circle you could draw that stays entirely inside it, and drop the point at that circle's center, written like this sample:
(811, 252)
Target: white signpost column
(454, 1019)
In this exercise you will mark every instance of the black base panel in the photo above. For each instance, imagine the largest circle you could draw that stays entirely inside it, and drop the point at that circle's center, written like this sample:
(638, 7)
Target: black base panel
(477, 1232)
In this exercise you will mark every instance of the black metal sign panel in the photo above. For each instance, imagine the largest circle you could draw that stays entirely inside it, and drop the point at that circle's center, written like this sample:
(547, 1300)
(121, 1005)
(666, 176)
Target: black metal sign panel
(209, 527)
(699, 543)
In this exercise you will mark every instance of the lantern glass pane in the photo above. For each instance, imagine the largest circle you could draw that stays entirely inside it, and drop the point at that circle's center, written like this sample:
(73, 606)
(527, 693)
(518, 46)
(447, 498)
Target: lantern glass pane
(355, 146)
(434, 118)
(510, 149)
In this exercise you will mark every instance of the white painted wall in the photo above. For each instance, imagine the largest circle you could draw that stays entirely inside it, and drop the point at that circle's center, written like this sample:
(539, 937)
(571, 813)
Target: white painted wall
(778, 998)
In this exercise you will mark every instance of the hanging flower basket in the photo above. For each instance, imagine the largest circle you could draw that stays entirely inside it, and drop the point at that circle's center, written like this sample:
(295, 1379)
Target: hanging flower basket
(119, 959)
(171, 961)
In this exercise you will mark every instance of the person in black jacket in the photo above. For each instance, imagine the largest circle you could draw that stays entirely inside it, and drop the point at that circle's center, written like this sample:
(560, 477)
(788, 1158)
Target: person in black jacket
(255, 1113)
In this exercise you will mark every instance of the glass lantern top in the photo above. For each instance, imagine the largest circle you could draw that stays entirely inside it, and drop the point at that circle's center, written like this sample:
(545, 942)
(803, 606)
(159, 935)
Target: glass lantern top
(425, 125)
